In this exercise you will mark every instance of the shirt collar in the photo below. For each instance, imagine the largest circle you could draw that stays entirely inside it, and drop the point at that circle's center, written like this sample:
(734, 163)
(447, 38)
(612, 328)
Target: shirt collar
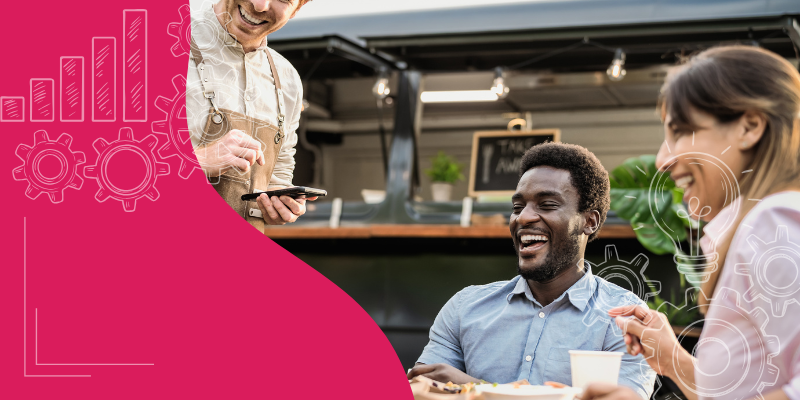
(221, 30)
(578, 294)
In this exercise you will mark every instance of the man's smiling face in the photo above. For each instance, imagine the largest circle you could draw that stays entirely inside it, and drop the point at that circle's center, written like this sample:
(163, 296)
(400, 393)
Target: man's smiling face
(252, 20)
(546, 225)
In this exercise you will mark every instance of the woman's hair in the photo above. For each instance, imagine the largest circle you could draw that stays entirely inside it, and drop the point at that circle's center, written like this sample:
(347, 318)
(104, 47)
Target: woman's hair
(726, 82)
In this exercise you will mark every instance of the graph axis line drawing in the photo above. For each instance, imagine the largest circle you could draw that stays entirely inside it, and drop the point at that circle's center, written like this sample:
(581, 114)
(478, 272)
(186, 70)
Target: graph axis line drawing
(113, 81)
(52, 97)
(36, 358)
(25, 309)
(61, 88)
(3, 109)
(25, 323)
(125, 72)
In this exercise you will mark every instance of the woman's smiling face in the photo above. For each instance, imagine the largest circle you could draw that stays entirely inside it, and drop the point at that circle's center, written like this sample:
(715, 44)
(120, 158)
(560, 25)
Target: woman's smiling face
(701, 177)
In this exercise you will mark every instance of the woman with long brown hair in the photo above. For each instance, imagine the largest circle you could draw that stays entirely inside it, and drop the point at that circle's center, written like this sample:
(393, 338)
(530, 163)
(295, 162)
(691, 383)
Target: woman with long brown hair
(738, 108)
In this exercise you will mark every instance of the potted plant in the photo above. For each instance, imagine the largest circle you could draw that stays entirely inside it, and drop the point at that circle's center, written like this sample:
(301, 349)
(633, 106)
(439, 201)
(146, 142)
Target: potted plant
(444, 172)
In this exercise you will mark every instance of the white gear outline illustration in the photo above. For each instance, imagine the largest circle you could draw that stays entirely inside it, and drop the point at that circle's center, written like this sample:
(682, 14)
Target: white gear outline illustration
(144, 149)
(198, 23)
(38, 183)
(181, 31)
(780, 249)
(760, 318)
(632, 272)
(176, 129)
(197, 101)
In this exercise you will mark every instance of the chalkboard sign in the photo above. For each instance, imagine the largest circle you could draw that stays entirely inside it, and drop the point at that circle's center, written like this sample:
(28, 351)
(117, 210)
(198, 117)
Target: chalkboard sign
(496, 156)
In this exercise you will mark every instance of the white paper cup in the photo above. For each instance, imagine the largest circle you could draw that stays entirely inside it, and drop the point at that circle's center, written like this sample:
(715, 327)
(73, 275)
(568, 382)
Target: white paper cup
(594, 366)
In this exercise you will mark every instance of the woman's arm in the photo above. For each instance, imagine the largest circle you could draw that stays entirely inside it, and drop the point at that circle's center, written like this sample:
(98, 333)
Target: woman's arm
(648, 332)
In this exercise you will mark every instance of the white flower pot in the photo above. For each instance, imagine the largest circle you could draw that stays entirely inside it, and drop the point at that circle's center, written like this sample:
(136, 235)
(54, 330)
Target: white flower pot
(441, 191)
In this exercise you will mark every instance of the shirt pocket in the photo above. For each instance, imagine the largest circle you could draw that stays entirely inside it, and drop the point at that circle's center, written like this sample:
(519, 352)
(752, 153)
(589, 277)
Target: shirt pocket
(558, 366)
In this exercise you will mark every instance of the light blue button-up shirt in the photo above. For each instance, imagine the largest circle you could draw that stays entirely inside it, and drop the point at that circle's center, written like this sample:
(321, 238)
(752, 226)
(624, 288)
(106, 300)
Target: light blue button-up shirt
(500, 333)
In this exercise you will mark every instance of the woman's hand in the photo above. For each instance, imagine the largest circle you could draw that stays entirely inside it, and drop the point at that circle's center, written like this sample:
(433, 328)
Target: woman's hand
(607, 391)
(647, 332)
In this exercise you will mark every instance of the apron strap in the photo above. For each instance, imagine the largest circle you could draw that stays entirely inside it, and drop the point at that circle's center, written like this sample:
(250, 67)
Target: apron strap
(279, 91)
(197, 55)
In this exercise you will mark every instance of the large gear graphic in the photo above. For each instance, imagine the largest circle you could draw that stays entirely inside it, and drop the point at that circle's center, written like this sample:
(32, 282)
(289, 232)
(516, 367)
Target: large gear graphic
(43, 148)
(779, 254)
(144, 149)
(189, 108)
(629, 275)
(768, 346)
(175, 127)
(181, 31)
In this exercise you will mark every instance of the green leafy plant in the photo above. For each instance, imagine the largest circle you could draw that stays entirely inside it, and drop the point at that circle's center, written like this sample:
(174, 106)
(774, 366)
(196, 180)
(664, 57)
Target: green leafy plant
(630, 183)
(445, 169)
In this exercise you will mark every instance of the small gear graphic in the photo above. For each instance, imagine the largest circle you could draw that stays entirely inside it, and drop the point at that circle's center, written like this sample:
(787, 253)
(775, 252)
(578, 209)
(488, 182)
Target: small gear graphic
(175, 127)
(205, 32)
(778, 255)
(181, 31)
(43, 148)
(767, 346)
(126, 143)
(629, 275)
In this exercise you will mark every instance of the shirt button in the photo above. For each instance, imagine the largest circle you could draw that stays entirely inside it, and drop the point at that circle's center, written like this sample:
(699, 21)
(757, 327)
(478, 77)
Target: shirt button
(541, 315)
(528, 358)
(248, 97)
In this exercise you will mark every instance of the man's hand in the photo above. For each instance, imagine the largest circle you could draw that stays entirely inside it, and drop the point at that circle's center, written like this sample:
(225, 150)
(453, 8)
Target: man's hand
(607, 391)
(235, 149)
(279, 211)
(442, 373)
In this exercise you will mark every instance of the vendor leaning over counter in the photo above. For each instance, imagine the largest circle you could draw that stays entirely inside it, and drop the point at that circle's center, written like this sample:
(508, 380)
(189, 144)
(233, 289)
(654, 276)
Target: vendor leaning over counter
(523, 328)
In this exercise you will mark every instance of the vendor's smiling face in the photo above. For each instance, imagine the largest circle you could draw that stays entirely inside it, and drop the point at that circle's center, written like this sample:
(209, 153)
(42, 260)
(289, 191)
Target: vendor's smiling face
(252, 20)
(546, 225)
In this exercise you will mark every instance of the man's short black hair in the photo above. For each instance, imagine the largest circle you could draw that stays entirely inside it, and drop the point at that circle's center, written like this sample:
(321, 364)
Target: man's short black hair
(586, 173)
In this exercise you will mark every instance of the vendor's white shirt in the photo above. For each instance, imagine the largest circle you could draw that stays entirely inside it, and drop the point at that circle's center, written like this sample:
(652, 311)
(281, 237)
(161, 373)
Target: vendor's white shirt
(750, 343)
(243, 83)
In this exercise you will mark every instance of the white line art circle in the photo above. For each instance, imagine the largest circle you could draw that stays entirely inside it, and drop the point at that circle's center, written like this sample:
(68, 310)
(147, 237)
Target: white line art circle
(43, 151)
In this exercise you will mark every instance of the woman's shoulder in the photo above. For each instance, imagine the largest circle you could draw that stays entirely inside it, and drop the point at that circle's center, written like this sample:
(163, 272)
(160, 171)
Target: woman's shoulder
(779, 209)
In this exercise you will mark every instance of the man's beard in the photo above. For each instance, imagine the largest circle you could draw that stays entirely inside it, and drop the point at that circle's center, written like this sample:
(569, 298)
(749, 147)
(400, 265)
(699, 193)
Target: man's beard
(559, 258)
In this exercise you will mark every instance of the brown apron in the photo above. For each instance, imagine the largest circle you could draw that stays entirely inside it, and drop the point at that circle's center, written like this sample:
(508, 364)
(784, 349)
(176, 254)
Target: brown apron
(234, 183)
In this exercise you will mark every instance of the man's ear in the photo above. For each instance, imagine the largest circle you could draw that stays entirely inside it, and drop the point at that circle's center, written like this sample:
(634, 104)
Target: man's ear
(299, 6)
(592, 223)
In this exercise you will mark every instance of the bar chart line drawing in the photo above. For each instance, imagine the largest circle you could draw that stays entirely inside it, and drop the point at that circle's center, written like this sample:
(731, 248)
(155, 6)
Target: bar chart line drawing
(40, 106)
(134, 65)
(73, 86)
(12, 109)
(104, 75)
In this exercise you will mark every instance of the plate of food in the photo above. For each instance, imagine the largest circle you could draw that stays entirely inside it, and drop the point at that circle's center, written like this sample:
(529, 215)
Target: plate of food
(511, 391)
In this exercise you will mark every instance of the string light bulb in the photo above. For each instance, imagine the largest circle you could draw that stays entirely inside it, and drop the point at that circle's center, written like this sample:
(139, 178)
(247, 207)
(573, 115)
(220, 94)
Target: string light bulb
(616, 71)
(499, 84)
(381, 87)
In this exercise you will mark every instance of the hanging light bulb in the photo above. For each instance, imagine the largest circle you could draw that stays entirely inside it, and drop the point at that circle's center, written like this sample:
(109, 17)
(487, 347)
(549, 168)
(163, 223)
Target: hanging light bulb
(499, 84)
(381, 87)
(616, 71)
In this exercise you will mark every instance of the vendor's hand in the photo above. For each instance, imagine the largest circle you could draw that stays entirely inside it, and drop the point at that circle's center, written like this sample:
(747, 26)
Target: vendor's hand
(281, 210)
(607, 391)
(649, 333)
(235, 149)
(442, 373)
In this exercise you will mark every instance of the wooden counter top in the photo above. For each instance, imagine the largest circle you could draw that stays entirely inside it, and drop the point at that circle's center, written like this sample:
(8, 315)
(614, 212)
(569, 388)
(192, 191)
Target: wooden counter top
(419, 231)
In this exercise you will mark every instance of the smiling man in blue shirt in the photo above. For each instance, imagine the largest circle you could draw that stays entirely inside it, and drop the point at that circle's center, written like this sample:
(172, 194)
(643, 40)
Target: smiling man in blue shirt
(523, 328)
